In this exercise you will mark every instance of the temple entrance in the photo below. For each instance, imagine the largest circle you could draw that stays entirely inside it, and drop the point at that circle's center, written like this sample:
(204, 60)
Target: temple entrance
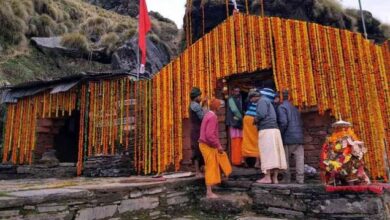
(246, 82)
(66, 141)
(58, 137)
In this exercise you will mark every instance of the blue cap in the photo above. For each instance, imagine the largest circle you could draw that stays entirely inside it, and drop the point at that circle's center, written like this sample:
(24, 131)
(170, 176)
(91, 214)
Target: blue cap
(269, 93)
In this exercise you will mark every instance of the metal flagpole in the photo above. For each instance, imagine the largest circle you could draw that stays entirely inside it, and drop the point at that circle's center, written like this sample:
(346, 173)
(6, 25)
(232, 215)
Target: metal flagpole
(138, 60)
(262, 8)
(362, 15)
(137, 52)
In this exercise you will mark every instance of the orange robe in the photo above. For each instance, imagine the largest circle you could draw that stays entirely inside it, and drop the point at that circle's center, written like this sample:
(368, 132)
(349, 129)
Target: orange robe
(250, 138)
(236, 151)
(214, 163)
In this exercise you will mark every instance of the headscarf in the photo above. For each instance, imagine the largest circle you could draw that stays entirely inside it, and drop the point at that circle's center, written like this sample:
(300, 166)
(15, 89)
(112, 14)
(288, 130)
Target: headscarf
(215, 104)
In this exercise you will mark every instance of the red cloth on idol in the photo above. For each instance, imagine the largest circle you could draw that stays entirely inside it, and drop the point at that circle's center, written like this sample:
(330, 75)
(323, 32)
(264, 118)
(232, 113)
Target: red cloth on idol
(143, 29)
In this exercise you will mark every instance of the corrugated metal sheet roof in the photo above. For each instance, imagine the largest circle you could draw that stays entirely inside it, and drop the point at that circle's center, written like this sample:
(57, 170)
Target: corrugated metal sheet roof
(10, 94)
(63, 87)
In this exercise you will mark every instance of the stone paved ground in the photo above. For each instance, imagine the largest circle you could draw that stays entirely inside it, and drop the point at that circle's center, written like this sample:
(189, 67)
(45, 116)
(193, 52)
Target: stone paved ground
(243, 216)
(53, 183)
(35, 190)
(50, 183)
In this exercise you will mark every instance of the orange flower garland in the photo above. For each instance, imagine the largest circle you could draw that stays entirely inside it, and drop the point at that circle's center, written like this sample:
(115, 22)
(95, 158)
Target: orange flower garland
(332, 69)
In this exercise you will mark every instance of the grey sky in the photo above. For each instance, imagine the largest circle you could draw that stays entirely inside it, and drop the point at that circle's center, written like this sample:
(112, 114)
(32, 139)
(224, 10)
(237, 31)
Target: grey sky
(174, 9)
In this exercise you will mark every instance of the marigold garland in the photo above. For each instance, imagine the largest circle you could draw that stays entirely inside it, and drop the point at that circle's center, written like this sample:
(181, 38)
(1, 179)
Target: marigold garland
(335, 70)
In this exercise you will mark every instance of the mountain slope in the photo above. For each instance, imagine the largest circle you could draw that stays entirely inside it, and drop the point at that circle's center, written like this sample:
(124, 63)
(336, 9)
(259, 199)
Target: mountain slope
(81, 26)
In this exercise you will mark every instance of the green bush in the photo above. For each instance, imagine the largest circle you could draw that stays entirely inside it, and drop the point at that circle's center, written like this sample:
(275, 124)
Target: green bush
(42, 26)
(125, 30)
(75, 41)
(122, 27)
(110, 41)
(73, 11)
(41, 6)
(12, 28)
(95, 27)
(128, 34)
(386, 30)
(61, 29)
(20, 10)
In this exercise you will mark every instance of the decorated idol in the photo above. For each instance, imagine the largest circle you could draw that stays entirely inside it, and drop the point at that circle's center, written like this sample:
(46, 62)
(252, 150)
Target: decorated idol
(342, 157)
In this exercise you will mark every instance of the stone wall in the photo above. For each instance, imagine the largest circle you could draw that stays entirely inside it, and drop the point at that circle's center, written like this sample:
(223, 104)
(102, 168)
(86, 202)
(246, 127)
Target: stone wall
(316, 128)
(47, 129)
(62, 170)
(118, 201)
(110, 165)
(127, 199)
(313, 202)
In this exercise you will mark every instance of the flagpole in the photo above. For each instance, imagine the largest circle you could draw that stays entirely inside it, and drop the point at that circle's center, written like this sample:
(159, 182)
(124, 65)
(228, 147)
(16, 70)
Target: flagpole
(262, 8)
(362, 15)
(138, 60)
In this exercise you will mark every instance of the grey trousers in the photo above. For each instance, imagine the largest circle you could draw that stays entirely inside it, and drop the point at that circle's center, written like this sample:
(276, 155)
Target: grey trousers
(299, 155)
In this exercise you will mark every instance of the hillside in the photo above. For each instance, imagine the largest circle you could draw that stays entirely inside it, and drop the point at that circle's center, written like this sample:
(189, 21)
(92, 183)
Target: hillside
(82, 27)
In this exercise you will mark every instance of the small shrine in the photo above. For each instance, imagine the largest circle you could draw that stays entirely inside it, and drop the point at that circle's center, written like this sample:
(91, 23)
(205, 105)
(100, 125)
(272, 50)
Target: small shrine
(342, 157)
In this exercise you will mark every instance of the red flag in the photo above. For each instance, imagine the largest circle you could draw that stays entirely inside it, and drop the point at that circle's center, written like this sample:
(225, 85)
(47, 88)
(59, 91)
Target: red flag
(143, 29)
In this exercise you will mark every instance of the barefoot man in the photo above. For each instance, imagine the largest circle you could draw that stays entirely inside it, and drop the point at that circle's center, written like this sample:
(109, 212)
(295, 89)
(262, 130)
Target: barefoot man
(196, 117)
(214, 156)
(272, 155)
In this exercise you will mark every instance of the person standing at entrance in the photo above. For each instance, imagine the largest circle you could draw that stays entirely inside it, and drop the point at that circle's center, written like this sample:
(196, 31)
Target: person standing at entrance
(290, 124)
(214, 156)
(273, 158)
(234, 118)
(250, 134)
(196, 117)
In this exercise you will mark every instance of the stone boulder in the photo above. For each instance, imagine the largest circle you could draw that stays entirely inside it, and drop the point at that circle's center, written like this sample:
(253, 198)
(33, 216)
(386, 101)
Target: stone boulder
(233, 203)
(125, 7)
(49, 159)
(125, 57)
(51, 46)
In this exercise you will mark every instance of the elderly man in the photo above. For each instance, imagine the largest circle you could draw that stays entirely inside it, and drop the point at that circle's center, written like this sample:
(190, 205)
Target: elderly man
(234, 119)
(273, 158)
(214, 156)
(290, 125)
(196, 117)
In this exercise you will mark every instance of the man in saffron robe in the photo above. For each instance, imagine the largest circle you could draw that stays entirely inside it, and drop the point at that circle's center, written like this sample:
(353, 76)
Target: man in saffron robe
(214, 156)
(196, 116)
(234, 117)
(250, 134)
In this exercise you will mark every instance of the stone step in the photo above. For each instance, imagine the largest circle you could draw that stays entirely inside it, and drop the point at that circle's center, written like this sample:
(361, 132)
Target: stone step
(229, 203)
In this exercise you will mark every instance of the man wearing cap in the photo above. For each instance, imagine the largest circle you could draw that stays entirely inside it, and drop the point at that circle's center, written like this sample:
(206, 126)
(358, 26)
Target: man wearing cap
(196, 117)
(250, 134)
(290, 124)
(273, 158)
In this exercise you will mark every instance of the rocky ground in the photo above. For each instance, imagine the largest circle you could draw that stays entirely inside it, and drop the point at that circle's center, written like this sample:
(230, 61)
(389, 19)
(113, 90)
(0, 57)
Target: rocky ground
(44, 198)
(140, 197)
